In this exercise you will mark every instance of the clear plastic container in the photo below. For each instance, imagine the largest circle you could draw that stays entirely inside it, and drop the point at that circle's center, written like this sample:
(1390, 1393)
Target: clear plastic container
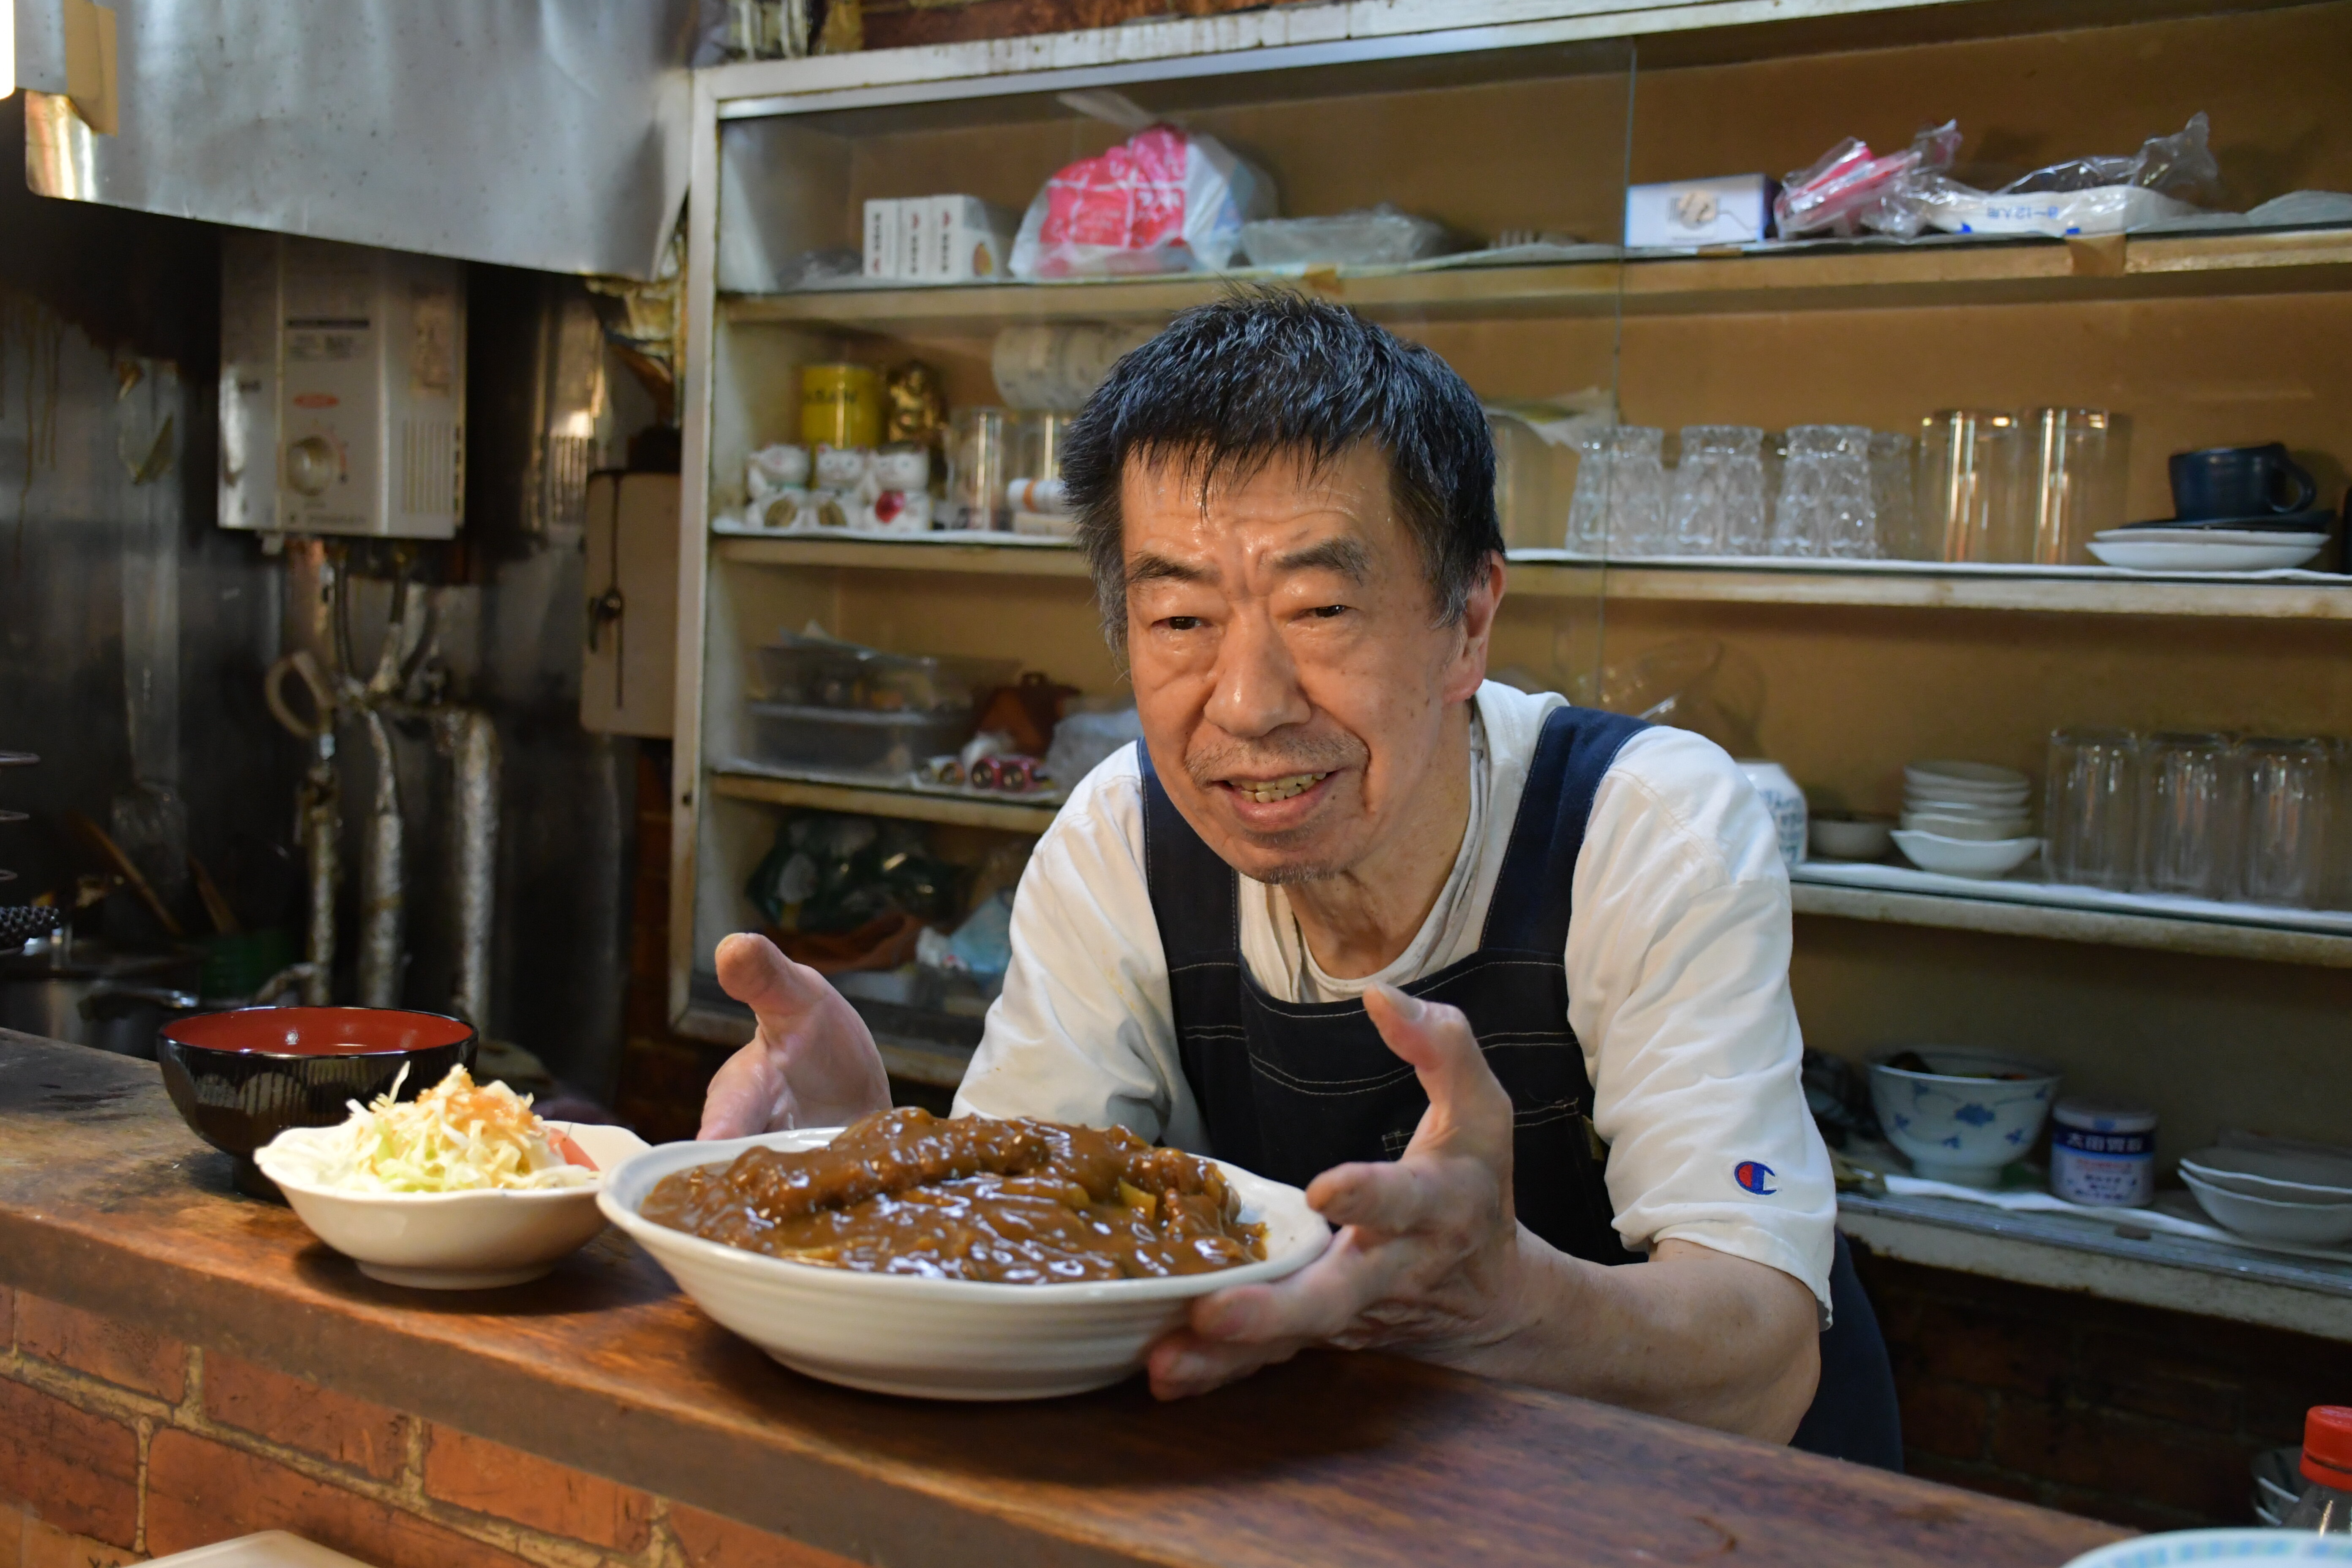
(818, 672)
(2325, 1505)
(1378, 236)
(851, 741)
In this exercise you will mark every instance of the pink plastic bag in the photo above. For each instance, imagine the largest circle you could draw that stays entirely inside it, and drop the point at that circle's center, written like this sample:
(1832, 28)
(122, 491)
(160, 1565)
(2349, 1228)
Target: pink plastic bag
(1162, 201)
(1849, 189)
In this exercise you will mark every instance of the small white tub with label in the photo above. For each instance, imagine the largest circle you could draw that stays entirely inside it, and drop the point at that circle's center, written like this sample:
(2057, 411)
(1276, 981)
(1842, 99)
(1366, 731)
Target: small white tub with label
(2103, 1154)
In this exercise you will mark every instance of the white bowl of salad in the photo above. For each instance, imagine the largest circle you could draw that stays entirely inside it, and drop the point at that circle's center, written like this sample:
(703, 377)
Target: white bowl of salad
(463, 1188)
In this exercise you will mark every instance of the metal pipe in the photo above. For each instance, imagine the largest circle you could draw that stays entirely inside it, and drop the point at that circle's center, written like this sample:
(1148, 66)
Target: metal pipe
(382, 898)
(318, 828)
(472, 742)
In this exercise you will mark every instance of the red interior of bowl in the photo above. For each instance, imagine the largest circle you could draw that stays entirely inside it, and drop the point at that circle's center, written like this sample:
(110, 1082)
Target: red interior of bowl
(316, 1031)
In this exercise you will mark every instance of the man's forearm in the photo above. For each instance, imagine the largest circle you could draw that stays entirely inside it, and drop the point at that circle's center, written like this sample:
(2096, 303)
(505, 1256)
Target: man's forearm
(1693, 1334)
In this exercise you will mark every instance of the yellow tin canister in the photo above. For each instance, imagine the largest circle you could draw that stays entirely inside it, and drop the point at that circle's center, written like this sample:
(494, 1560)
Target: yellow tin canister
(841, 406)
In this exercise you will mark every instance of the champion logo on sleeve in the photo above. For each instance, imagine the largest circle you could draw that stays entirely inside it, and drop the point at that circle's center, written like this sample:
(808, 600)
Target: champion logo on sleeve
(1754, 1176)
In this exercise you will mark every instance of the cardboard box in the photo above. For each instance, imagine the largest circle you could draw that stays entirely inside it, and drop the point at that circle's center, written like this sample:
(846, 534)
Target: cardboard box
(968, 240)
(882, 259)
(914, 255)
(1733, 209)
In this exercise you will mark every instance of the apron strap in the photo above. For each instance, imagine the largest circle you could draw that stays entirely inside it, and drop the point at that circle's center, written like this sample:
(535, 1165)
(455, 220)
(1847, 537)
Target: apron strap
(1530, 909)
(1195, 896)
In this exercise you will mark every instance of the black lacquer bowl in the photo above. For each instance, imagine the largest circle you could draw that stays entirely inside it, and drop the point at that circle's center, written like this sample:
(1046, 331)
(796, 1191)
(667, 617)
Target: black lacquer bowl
(240, 1079)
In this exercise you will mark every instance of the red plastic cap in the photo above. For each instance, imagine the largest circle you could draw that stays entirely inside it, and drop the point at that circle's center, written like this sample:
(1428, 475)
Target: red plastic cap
(2327, 1446)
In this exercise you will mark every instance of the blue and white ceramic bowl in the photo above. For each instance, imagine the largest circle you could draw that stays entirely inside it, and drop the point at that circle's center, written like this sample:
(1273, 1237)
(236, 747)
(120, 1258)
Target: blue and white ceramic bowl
(2213, 1548)
(1974, 1114)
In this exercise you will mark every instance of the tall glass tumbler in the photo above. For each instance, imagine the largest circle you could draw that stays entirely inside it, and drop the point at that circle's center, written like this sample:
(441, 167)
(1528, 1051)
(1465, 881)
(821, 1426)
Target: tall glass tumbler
(2073, 484)
(1825, 509)
(980, 455)
(2190, 804)
(1618, 506)
(2283, 852)
(2090, 810)
(1523, 489)
(1718, 504)
(1971, 464)
(1894, 483)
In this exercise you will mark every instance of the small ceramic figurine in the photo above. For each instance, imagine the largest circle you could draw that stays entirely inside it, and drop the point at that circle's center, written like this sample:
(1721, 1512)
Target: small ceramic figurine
(769, 470)
(913, 406)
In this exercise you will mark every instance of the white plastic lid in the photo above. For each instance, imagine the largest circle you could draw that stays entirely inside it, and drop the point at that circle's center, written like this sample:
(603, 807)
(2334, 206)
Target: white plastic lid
(2104, 1116)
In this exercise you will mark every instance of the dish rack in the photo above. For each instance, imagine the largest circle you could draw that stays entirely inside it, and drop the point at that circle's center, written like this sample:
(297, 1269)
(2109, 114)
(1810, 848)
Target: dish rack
(20, 923)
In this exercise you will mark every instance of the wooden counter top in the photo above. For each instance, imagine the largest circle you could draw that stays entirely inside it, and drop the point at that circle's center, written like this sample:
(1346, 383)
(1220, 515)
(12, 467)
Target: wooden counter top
(109, 1203)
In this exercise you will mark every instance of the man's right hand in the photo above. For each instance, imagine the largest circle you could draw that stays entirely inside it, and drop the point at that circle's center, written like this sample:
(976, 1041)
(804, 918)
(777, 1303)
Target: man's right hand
(812, 1064)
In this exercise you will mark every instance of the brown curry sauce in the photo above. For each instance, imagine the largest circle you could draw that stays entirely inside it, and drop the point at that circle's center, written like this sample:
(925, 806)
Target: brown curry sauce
(1009, 1202)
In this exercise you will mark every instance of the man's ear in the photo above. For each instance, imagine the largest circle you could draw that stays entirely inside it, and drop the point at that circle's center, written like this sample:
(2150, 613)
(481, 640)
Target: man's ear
(1479, 608)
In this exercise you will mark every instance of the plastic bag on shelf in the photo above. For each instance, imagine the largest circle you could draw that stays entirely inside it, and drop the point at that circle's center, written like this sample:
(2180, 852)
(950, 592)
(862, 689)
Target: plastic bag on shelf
(1164, 200)
(1377, 236)
(1850, 188)
(2180, 165)
(2101, 194)
(1082, 740)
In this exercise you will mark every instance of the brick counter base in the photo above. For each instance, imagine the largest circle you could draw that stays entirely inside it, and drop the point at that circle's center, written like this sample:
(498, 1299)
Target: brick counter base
(2133, 1414)
(117, 1444)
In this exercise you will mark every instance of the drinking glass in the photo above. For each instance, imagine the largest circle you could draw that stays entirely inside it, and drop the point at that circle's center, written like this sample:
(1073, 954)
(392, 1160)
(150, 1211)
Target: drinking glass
(1523, 488)
(1718, 507)
(1618, 506)
(2074, 486)
(2283, 851)
(1894, 476)
(980, 445)
(1826, 508)
(2190, 802)
(1969, 470)
(2090, 811)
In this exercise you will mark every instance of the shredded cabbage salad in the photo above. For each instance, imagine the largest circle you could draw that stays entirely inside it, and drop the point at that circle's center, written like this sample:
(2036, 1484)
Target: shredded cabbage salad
(458, 1136)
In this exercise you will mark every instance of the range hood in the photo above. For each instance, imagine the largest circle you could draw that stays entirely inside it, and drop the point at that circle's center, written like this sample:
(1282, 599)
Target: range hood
(543, 133)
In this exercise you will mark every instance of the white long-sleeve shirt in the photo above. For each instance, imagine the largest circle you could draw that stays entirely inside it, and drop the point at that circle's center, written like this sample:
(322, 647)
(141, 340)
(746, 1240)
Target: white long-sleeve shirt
(1677, 963)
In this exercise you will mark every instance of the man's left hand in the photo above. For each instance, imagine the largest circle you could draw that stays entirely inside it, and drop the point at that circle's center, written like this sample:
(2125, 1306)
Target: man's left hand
(1427, 1255)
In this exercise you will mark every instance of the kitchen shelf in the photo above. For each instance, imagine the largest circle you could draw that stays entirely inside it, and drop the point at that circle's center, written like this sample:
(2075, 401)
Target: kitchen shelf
(1904, 584)
(1551, 574)
(1948, 272)
(1008, 555)
(885, 800)
(2109, 1259)
(2211, 939)
(928, 1048)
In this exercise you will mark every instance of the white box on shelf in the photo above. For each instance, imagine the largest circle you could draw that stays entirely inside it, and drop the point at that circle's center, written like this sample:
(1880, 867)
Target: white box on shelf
(968, 239)
(914, 254)
(882, 243)
(1732, 209)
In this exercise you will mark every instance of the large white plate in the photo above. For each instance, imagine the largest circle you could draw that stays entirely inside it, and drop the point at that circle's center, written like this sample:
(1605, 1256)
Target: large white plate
(2206, 557)
(2203, 537)
(939, 1339)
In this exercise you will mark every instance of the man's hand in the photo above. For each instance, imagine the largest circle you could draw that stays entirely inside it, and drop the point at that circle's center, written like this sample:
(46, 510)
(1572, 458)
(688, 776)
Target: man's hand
(812, 1064)
(1428, 1255)
(1430, 1261)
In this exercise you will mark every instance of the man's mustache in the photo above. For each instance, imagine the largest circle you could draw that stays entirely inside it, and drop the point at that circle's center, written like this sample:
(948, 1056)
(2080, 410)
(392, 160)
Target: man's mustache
(1276, 757)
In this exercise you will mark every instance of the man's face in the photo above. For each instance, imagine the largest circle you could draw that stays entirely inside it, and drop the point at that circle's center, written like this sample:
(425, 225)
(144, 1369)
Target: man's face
(1291, 676)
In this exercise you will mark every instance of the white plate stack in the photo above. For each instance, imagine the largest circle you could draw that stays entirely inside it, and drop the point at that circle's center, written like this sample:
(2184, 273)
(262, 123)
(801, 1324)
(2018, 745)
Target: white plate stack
(1966, 819)
(2273, 1190)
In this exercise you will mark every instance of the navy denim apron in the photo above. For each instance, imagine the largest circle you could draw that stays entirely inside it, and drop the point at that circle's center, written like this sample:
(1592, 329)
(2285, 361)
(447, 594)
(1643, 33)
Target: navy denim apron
(1290, 1089)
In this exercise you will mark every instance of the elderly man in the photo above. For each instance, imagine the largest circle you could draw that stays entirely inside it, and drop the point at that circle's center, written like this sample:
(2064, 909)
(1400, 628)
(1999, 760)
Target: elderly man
(1503, 982)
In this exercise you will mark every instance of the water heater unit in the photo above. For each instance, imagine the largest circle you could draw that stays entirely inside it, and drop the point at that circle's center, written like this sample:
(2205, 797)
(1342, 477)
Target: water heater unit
(342, 392)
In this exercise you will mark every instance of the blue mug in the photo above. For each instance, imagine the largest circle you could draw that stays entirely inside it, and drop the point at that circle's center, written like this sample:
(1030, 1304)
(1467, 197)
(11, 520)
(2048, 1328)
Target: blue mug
(2238, 481)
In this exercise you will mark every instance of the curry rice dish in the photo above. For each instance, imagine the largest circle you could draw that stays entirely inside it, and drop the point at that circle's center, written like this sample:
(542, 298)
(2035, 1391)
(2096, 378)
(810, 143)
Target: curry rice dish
(1007, 1202)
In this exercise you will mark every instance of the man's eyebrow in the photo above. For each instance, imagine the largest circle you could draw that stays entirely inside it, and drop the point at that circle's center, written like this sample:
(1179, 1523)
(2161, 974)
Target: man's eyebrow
(1346, 556)
(1150, 568)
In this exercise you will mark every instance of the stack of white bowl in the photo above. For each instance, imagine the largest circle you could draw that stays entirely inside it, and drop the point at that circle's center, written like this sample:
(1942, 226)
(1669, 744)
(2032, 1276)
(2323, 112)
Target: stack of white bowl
(1966, 819)
(2274, 1193)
